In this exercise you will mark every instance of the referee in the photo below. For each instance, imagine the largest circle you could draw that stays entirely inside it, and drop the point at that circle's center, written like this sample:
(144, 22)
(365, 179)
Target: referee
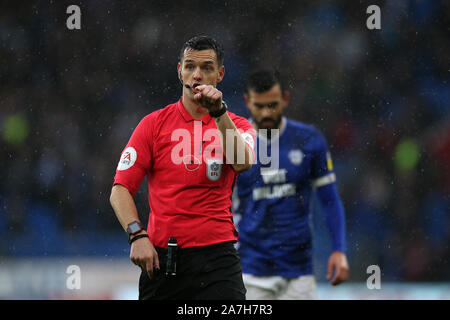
(190, 180)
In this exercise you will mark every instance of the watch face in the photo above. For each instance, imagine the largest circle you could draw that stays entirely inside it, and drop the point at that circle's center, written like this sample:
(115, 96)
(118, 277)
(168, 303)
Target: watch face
(134, 227)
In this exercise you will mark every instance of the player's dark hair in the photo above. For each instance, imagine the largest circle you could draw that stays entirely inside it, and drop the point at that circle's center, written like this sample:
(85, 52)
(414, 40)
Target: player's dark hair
(263, 80)
(203, 43)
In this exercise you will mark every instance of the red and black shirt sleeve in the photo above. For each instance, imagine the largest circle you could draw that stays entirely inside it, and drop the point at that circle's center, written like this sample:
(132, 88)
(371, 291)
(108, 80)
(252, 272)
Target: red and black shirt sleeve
(136, 158)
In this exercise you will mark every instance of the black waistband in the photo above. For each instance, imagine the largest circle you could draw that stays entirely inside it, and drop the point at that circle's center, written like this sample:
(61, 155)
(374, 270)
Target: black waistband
(202, 249)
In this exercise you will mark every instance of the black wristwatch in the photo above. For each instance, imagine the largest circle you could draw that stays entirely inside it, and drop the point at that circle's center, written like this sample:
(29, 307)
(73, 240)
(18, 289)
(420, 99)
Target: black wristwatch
(134, 228)
(221, 111)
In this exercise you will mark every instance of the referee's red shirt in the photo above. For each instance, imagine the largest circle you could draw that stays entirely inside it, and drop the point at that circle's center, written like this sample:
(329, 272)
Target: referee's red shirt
(190, 201)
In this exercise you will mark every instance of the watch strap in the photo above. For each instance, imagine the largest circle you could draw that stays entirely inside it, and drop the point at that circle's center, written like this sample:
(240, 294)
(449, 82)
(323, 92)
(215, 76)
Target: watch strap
(221, 111)
(139, 236)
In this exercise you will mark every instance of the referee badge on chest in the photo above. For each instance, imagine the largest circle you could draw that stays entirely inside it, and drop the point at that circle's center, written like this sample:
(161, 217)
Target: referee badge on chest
(214, 169)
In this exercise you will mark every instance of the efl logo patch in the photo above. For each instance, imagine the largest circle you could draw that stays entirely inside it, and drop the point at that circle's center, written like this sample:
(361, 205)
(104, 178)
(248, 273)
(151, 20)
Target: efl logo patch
(127, 159)
(214, 169)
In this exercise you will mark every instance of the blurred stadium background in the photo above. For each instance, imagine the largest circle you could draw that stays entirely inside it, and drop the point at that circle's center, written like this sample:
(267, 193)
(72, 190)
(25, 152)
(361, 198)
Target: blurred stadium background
(69, 101)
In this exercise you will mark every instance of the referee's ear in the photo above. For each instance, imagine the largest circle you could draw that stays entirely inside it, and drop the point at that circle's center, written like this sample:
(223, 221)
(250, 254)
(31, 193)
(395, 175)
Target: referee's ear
(220, 74)
(179, 71)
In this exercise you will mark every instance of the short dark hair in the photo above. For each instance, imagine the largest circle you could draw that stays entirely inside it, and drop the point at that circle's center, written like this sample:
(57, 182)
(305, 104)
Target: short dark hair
(204, 43)
(264, 79)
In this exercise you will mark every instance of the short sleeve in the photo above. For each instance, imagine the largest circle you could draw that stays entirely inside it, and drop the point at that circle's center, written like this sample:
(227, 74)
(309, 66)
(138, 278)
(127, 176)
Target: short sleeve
(247, 132)
(135, 160)
(322, 166)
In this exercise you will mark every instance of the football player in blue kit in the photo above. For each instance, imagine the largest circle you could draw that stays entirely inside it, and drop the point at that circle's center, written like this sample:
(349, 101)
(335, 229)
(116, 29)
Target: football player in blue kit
(272, 200)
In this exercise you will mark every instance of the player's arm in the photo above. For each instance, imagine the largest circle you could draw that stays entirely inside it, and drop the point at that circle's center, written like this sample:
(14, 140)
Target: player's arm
(237, 152)
(324, 182)
(124, 207)
(134, 164)
(142, 252)
(333, 211)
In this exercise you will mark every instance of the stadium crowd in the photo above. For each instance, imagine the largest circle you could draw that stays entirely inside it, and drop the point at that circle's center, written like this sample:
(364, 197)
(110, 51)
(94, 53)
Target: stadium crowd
(69, 100)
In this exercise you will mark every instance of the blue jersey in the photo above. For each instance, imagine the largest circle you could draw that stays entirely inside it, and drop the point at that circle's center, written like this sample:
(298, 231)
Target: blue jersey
(274, 203)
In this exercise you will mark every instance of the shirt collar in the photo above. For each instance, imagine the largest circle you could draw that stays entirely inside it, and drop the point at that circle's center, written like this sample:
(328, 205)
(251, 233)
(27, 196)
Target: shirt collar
(186, 115)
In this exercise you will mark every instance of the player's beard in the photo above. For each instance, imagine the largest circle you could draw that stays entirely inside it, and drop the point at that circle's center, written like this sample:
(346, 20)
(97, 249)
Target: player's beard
(269, 123)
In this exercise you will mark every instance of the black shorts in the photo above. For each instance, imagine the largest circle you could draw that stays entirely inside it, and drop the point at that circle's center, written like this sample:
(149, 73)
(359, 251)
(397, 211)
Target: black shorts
(203, 273)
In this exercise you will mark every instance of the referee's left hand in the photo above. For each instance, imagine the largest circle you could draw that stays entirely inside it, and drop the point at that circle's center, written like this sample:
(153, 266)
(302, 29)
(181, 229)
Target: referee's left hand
(208, 96)
(337, 263)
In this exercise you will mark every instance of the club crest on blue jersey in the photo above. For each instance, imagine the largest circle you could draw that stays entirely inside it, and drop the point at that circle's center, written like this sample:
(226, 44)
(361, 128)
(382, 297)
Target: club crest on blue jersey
(214, 169)
(296, 157)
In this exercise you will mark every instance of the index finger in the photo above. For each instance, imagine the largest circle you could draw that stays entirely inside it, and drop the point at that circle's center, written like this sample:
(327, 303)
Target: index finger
(149, 267)
(156, 260)
(201, 87)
